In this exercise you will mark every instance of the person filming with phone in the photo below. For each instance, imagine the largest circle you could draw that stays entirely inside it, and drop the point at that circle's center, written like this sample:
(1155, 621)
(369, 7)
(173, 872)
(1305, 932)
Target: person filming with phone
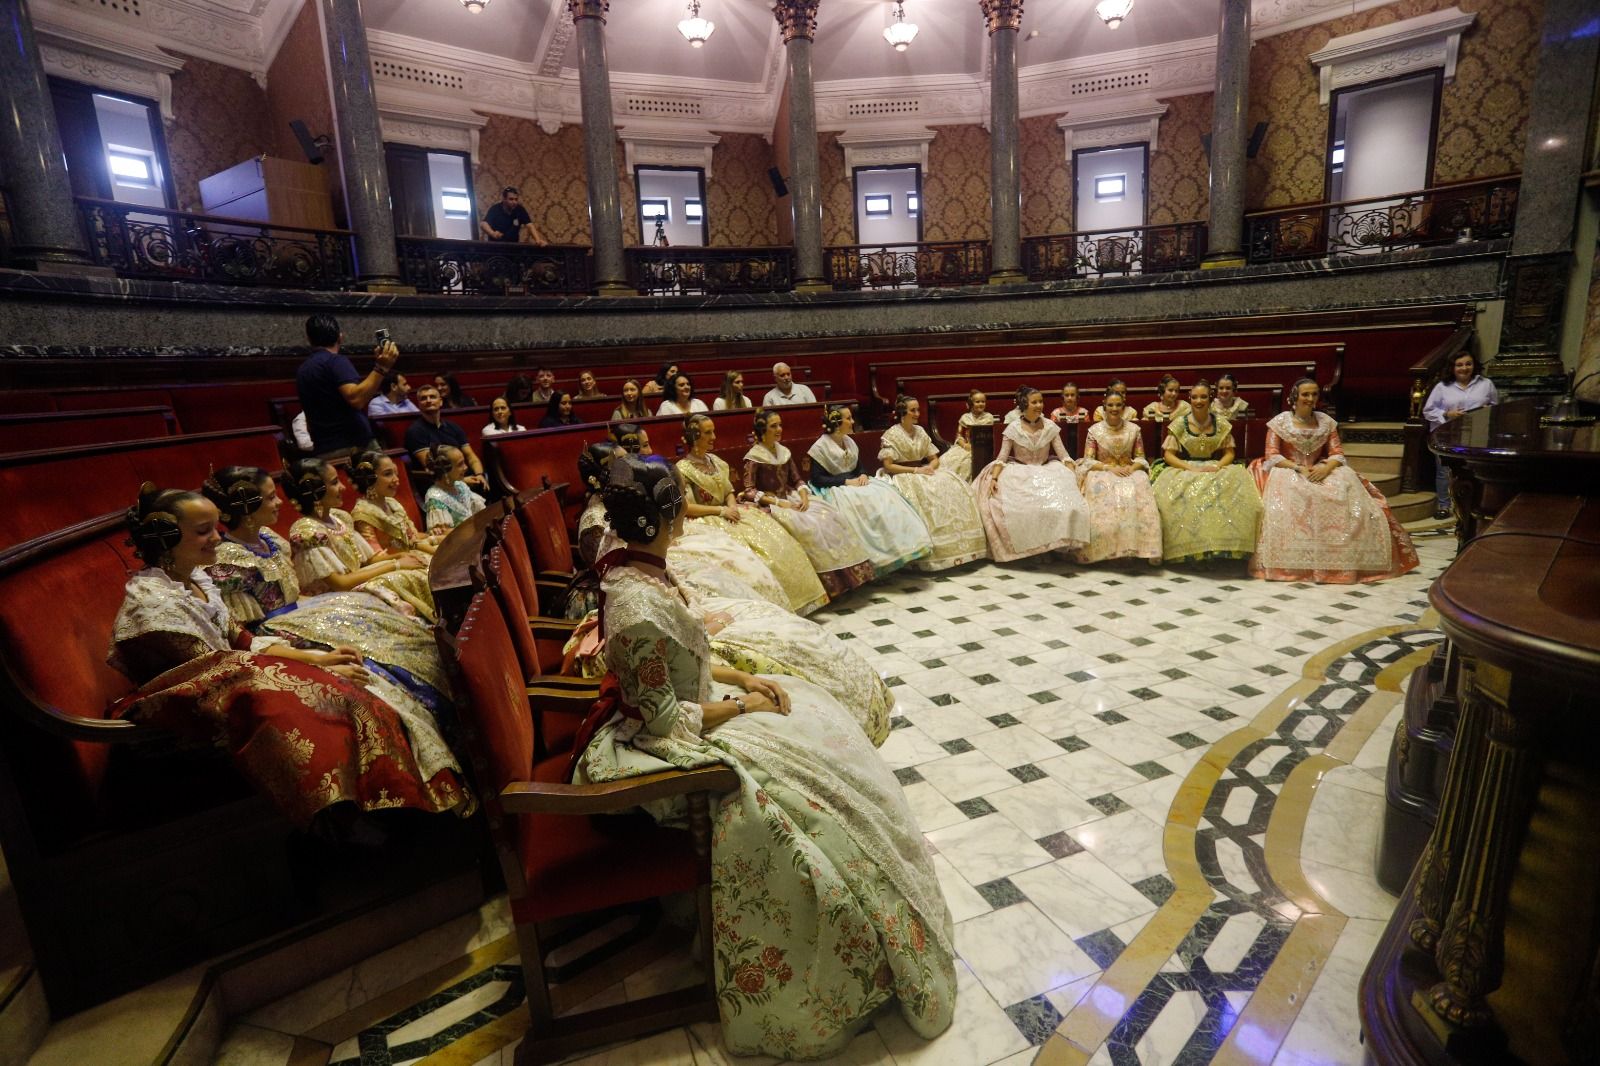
(333, 396)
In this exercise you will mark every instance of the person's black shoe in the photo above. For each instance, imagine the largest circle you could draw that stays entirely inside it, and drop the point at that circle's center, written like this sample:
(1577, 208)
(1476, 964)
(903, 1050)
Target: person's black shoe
(1442, 512)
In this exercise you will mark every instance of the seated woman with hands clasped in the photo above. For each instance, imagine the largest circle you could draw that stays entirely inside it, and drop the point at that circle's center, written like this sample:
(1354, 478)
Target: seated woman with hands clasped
(449, 501)
(379, 515)
(1209, 507)
(957, 458)
(825, 899)
(307, 723)
(1028, 496)
(942, 500)
(888, 526)
(1123, 521)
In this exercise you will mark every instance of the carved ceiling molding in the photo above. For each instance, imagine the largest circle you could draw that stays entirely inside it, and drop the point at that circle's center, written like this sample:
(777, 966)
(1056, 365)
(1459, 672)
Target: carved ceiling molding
(1106, 127)
(558, 38)
(405, 121)
(667, 146)
(1133, 75)
(886, 147)
(1413, 44)
(1270, 17)
(114, 66)
(200, 29)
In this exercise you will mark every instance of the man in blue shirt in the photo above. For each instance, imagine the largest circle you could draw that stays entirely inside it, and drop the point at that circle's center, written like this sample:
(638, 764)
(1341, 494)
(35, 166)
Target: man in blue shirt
(333, 396)
(393, 397)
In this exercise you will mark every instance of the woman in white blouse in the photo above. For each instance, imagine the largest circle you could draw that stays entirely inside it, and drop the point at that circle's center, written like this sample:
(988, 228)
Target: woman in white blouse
(683, 401)
(1466, 389)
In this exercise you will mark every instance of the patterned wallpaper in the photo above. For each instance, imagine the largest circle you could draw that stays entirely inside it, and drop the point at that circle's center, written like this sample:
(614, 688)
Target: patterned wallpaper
(547, 169)
(1046, 177)
(297, 87)
(742, 209)
(219, 118)
(1482, 114)
(838, 212)
(956, 188)
(1179, 181)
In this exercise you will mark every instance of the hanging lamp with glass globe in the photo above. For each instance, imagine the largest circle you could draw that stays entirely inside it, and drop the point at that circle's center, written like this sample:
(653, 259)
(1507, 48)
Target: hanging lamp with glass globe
(695, 29)
(475, 6)
(1112, 12)
(900, 33)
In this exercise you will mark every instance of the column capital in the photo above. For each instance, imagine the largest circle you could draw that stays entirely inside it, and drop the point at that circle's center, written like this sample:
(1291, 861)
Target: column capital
(1002, 14)
(588, 9)
(797, 18)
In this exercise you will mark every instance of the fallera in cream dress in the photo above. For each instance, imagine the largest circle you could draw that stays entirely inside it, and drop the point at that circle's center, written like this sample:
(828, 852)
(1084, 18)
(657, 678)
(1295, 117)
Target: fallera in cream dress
(942, 499)
(1210, 512)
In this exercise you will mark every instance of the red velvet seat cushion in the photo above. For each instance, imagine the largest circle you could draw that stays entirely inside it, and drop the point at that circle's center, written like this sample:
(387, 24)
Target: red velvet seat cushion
(575, 864)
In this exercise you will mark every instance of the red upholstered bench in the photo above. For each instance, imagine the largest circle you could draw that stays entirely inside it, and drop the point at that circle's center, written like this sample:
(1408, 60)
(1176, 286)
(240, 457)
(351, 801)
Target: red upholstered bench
(64, 429)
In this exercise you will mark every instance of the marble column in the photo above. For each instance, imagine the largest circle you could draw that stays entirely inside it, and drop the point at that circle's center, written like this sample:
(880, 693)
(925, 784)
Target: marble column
(798, 20)
(1004, 18)
(44, 220)
(366, 182)
(1229, 136)
(1540, 266)
(600, 147)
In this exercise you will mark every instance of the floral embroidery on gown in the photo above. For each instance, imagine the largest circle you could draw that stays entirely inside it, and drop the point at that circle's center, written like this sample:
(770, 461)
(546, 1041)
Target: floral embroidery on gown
(958, 457)
(447, 510)
(942, 499)
(1338, 531)
(334, 547)
(1123, 521)
(888, 526)
(710, 484)
(386, 524)
(825, 904)
(1029, 501)
(1209, 513)
(836, 553)
(305, 737)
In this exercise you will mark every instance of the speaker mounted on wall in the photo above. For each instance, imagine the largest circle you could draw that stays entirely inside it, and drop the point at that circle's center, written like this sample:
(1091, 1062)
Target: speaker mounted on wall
(779, 186)
(310, 145)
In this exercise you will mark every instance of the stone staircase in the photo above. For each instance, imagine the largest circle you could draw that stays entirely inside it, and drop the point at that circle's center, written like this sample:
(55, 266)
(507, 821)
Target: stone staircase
(1374, 451)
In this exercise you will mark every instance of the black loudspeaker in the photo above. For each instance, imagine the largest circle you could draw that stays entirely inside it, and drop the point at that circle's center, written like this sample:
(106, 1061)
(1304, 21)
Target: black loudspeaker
(1205, 142)
(308, 144)
(779, 186)
(1257, 135)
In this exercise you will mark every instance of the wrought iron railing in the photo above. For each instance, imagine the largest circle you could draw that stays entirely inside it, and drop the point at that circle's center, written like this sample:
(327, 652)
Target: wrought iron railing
(493, 268)
(675, 271)
(1479, 210)
(1142, 250)
(924, 265)
(153, 242)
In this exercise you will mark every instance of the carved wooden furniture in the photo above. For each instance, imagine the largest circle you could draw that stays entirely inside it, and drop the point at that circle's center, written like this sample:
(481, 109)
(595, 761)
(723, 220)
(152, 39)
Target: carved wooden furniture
(1494, 952)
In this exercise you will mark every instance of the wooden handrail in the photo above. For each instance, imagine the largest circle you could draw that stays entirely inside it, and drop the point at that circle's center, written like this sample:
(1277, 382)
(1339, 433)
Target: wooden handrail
(1329, 205)
(227, 220)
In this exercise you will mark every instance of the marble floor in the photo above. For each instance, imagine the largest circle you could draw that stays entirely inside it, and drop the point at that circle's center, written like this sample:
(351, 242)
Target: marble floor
(1153, 797)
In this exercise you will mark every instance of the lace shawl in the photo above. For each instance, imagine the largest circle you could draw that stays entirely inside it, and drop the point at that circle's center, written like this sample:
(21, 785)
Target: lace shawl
(1304, 445)
(155, 605)
(834, 457)
(899, 446)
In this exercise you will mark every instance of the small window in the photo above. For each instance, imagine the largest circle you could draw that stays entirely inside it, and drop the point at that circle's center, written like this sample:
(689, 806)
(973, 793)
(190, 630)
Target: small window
(656, 210)
(1110, 188)
(880, 206)
(131, 166)
(913, 204)
(456, 203)
(693, 211)
(1336, 160)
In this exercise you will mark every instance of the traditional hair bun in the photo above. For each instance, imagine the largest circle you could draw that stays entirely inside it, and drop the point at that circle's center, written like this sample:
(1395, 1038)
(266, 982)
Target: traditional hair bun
(834, 418)
(303, 479)
(641, 498)
(364, 469)
(153, 521)
(236, 491)
(593, 463)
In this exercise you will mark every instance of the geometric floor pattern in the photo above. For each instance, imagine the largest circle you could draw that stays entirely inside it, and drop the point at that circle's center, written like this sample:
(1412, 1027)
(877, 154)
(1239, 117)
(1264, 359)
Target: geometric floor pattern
(1114, 769)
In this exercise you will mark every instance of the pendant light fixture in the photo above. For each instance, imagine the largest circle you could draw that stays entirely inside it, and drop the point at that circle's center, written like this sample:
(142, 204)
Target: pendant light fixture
(900, 33)
(1112, 12)
(475, 6)
(695, 29)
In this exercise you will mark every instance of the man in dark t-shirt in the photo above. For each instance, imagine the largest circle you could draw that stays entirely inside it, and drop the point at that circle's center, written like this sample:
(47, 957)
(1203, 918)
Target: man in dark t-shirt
(333, 395)
(432, 430)
(505, 220)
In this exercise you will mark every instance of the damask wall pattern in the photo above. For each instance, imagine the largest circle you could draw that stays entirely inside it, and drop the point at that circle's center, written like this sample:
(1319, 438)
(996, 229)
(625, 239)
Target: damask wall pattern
(955, 190)
(836, 190)
(297, 87)
(1483, 112)
(1046, 177)
(546, 168)
(219, 118)
(741, 207)
(1179, 170)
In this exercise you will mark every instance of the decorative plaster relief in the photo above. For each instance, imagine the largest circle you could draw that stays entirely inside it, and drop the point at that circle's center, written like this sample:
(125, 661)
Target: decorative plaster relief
(1420, 43)
(885, 147)
(663, 146)
(1103, 127)
(146, 73)
(429, 129)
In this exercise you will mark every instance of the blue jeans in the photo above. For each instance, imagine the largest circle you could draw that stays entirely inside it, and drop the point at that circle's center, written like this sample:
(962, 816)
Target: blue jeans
(1441, 486)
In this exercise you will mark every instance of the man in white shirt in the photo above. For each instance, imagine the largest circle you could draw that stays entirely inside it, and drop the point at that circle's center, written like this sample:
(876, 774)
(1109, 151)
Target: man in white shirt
(786, 391)
(393, 399)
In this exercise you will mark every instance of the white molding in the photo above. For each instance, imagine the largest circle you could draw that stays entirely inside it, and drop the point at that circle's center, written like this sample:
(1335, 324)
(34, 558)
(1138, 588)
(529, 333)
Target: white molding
(406, 120)
(1107, 126)
(1271, 17)
(1137, 74)
(553, 43)
(1420, 43)
(667, 146)
(199, 29)
(886, 146)
(116, 66)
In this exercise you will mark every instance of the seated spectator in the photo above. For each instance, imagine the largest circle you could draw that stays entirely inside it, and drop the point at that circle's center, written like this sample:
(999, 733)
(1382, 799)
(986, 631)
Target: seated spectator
(682, 402)
(1168, 404)
(1230, 404)
(558, 411)
(732, 397)
(448, 502)
(657, 386)
(958, 457)
(1069, 413)
(379, 515)
(508, 221)
(519, 390)
(301, 435)
(501, 418)
(1118, 386)
(333, 396)
(395, 398)
(431, 429)
(786, 391)
(544, 386)
(630, 408)
(450, 389)
(588, 388)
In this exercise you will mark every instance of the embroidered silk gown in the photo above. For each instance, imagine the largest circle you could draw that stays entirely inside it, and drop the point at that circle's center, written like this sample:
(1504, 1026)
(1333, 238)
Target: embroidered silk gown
(447, 510)
(385, 525)
(1209, 513)
(836, 553)
(943, 500)
(958, 457)
(825, 903)
(1029, 500)
(1123, 521)
(334, 547)
(888, 526)
(304, 737)
(1339, 530)
(1154, 412)
(710, 483)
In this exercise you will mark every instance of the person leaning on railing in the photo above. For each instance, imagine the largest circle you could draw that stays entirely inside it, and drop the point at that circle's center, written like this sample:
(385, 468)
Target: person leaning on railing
(508, 221)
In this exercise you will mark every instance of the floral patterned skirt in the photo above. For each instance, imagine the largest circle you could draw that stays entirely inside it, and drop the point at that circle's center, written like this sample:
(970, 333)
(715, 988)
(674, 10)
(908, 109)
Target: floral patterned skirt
(759, 532)
(1207, 514)
(1336, 531)
(945, 504)
(1123, 521)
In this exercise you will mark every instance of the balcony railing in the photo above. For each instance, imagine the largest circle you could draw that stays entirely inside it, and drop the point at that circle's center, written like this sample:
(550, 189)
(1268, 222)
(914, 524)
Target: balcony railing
(1093, 253)
(925, 265)
(681, 271)
(493, 268)
(1479, 210)
(154, 242)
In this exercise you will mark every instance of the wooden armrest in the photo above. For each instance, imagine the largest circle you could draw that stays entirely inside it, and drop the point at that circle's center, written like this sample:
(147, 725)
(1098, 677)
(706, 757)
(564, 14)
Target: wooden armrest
(548, 625)
(92, 730)
(611, 797)
(562, 576)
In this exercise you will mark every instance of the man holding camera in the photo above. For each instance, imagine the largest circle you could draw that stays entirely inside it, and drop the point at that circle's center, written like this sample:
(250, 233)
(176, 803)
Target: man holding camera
(333, 395)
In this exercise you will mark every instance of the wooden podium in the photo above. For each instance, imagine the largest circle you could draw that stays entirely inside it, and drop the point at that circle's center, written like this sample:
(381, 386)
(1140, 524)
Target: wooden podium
(268, 189)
